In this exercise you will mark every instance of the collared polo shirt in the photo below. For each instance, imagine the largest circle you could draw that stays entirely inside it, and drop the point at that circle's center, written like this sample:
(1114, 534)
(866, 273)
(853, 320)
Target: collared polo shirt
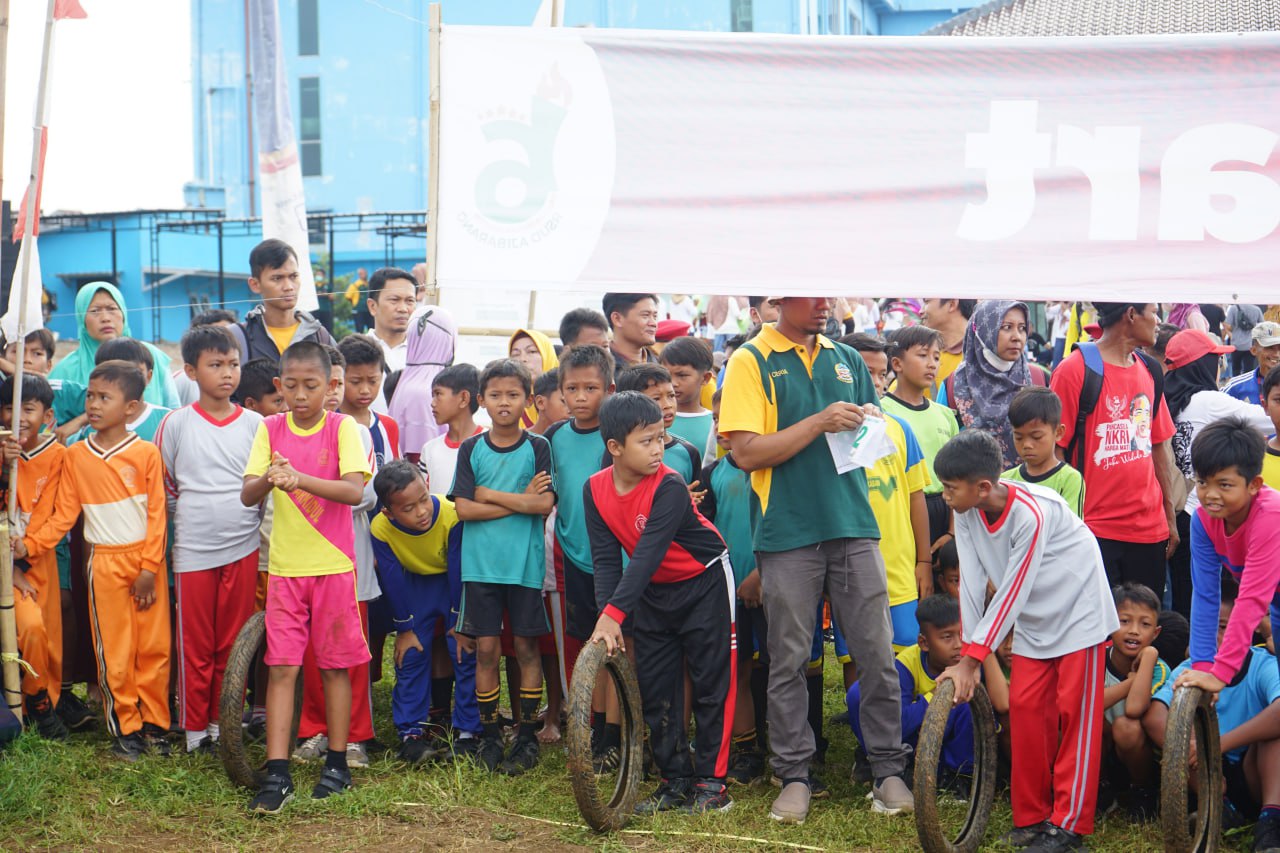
(773, 383)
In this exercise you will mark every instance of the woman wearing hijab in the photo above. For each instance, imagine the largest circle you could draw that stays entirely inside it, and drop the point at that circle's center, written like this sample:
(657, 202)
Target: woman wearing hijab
(431, 344)
(101, 316)
(993, 369)
(535, 351)
(1192, 359)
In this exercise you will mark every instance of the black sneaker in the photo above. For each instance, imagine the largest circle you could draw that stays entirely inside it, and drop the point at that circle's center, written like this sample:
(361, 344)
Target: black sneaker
(42, 715)
(255, 731)
(206, 746)
(522, 756)
(1144, 805)
(1266, 835)
(671, 794)
(1021, 836)
(416, 749)
(607, 762)
(747, 768)
(460, 749)
(954, 785)
(156, 739)
(332, 781)
(709, 795)
(1054, 839)
(272, 795)
(489, 753)
(129, 747)
(75, 714)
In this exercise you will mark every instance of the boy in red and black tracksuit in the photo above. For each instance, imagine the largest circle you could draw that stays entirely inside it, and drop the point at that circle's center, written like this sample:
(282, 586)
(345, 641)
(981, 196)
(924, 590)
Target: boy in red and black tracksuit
(676, 598)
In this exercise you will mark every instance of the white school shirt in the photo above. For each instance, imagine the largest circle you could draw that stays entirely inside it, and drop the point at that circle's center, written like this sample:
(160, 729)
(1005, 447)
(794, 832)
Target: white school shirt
(1051, 587)
(204, 464)
(439, 461)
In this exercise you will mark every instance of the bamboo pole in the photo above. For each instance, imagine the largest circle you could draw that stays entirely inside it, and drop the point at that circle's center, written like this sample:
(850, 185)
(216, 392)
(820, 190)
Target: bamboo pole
(8, 626)
(4, 64)
(433, 164)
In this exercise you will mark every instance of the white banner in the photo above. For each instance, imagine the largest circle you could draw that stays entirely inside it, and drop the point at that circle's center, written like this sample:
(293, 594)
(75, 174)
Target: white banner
(1073, 168)
(284, 207)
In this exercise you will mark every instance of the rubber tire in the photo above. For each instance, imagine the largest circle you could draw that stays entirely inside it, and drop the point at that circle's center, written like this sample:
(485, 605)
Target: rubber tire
(986, 763)
(600, 815)
(1192, 713)
(251, 640)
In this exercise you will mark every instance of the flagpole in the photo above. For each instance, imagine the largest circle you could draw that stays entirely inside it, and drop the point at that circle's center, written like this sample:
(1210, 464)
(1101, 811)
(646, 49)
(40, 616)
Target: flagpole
(8, 627)
(4, 63)
(433, 164)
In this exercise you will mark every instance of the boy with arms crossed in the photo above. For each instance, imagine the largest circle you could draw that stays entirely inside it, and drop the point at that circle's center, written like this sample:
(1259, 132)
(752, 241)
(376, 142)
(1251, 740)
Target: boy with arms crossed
(678, 590)
(502, 490)
(1048, 575)
(314, 465)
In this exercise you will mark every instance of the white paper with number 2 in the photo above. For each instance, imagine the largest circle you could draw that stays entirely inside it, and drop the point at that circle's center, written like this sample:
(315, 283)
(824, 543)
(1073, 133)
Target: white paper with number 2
(861, 447)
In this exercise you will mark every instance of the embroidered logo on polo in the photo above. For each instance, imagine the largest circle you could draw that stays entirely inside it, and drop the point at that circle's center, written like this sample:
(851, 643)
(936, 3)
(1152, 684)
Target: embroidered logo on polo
(843, 373)
(641, 521)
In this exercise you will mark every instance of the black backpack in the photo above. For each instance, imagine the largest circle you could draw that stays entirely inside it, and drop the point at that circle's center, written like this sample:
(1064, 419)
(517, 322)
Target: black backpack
(1091, 393)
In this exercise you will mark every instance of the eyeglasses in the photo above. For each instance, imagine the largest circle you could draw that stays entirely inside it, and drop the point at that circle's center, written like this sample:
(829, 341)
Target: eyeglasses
(102, 311)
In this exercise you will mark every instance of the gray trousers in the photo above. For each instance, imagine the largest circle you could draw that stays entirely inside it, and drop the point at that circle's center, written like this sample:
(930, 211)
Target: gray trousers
(851, 573)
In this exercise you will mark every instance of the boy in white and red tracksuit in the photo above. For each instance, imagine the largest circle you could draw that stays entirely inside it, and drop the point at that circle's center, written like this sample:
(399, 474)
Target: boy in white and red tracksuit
(676, 599)
(1049, 579)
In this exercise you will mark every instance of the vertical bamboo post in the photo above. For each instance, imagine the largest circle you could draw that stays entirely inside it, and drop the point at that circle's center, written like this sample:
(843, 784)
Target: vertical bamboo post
(8, 625)
(433, 164)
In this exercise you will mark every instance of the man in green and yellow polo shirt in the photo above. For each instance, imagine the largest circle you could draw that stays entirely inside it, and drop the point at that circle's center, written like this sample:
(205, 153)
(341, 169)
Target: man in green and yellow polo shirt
(783, 391)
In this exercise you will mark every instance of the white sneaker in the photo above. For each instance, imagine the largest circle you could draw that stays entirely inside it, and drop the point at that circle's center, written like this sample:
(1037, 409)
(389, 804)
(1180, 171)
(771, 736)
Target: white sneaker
(312, 749)
(892, 796)
(357, 755)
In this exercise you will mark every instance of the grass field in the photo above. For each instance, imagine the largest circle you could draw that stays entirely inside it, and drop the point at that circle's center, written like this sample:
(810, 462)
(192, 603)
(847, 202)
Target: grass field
(74, 796)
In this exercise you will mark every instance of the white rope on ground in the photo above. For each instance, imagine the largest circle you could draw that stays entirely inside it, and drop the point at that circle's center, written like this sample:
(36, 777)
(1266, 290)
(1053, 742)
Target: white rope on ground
(675, 833)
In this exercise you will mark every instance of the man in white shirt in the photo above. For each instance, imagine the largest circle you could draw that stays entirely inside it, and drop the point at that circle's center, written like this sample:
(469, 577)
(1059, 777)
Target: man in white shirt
(392, 298)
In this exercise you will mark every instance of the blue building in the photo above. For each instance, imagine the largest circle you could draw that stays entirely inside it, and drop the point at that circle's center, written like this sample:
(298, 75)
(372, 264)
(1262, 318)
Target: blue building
(358, 77)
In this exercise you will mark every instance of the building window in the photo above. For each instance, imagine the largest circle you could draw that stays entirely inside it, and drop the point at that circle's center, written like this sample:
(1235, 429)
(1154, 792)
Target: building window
(740, 15)
(308, 28)
(309, 125)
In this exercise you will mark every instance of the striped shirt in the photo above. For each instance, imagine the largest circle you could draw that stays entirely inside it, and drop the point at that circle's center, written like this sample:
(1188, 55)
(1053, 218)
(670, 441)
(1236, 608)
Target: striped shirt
(1048, 575)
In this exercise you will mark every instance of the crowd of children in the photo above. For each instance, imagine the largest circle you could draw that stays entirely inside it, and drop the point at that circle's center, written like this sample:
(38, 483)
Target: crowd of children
(614, 493)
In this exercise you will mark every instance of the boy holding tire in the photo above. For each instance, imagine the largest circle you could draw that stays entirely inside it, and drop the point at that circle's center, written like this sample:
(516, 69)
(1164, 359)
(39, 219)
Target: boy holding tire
(1049, 578)
(676, 598)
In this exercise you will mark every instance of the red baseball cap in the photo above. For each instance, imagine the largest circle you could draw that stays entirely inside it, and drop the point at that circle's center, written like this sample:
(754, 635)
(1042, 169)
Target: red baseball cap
(1190, 345)
(669, 330)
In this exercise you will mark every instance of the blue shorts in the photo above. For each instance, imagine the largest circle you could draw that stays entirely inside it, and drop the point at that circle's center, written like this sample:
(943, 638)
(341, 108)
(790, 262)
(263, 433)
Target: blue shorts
(902, 618)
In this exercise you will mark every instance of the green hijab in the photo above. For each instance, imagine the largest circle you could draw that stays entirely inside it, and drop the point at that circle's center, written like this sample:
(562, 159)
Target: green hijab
(77, 366)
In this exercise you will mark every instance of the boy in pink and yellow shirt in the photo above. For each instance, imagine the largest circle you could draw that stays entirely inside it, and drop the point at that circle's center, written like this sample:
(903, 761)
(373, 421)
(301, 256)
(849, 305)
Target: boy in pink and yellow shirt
(314, 464)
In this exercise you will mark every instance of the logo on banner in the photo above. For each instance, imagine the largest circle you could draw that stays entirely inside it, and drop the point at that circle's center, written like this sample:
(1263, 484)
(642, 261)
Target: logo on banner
(528, 147)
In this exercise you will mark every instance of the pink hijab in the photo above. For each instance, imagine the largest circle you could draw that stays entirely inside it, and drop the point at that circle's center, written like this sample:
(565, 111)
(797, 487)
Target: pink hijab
(432, 341)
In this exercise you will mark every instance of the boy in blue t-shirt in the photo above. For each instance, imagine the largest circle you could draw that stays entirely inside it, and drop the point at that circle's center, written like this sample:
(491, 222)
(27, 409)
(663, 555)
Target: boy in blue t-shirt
(689, 362)
(654, 381)
(577, 450)
(417, 541)
(502, 490)
(728, 505)
(1248, 721)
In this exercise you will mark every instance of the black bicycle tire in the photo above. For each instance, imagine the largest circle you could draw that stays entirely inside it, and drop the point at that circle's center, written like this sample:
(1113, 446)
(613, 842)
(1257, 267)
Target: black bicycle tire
(600, 814)
(241, 662)
(986, 764)
(1191, 714)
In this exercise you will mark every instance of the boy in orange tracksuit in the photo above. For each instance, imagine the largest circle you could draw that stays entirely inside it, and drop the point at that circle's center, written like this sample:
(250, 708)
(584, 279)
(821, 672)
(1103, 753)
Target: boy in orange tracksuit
(116, 480)
(37, 597)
